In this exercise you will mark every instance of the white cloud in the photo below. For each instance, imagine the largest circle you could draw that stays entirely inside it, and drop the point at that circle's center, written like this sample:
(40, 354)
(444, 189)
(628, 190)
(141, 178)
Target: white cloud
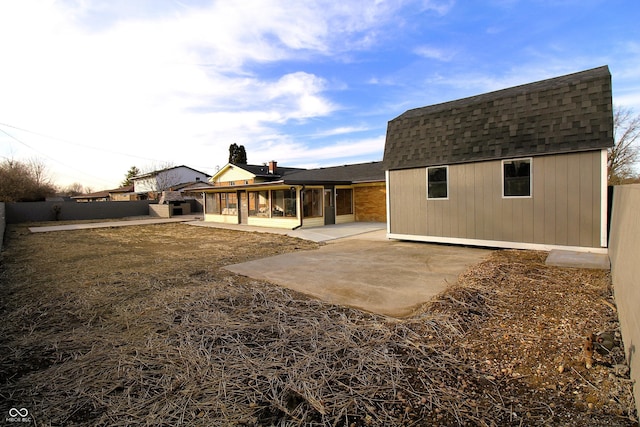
(145, 86)
(431, 52)
(290, 153)
(341, 131)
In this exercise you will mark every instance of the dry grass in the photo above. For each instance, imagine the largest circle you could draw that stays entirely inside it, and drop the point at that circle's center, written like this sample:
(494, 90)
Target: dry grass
(140, 326)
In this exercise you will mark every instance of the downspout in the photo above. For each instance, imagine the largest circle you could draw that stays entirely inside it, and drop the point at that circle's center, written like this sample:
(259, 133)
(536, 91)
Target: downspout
(204, 205)
(300, 209)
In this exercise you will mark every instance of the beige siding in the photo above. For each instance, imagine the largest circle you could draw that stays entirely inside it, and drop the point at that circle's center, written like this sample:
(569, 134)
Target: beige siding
(344, 219)
(273, 222)
(563, 210)
(233, 173)
(225, 219)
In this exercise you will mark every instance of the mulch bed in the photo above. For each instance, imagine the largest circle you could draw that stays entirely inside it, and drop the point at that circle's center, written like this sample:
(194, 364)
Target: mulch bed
(141, 326)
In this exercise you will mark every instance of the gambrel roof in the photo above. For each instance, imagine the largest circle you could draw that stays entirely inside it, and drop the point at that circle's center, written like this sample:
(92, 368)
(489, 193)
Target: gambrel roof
(559, 115)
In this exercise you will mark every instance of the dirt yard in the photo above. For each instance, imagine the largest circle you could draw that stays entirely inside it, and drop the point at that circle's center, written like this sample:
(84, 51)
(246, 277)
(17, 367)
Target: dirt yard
(141, 326)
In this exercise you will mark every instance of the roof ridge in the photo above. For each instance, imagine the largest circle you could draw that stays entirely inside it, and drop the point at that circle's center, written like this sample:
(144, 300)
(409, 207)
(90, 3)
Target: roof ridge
(550, 83)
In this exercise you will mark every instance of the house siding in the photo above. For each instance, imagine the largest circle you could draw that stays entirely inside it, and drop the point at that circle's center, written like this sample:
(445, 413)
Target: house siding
(564, 208)
(164, 179)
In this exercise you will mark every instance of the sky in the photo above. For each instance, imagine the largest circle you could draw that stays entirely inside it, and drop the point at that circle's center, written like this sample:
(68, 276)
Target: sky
(91, 88)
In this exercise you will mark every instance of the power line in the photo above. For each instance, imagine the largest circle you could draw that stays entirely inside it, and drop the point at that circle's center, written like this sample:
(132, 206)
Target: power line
(80, 145)
(49, 157)
(76, 144)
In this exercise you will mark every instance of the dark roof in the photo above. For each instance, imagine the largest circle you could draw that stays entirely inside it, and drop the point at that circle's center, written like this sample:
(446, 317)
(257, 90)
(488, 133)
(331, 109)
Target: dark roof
(262, 171)
(105, 193)
(153, 173)
(124, 189)
(95, 195)
(560, 115)
(347, 174)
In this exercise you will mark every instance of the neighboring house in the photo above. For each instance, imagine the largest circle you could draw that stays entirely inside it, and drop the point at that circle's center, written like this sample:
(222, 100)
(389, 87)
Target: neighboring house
(153, 183)
(119, 194)
(98, 196)
(273, 196)
(523, 167)
(123, 194)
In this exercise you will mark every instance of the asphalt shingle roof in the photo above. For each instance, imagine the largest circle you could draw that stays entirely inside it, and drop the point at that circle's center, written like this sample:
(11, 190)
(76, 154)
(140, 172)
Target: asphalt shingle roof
(559, 115)
(347, 174)
(263, 170)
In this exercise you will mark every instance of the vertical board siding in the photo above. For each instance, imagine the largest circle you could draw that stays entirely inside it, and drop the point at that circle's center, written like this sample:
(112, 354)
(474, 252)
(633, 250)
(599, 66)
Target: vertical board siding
(586, 200)
(573, 205)
(564, 208)
(550, 189)
(561, 201)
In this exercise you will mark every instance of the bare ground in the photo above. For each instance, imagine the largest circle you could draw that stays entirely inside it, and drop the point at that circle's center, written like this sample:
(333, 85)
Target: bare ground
(141, 326)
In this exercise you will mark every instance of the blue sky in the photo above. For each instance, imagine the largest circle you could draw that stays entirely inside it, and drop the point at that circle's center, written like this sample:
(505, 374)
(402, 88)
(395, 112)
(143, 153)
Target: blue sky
(93, 87)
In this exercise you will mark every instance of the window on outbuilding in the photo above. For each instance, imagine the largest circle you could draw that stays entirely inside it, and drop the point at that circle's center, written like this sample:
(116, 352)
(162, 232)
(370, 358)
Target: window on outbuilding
(438, 182)
(516, 178)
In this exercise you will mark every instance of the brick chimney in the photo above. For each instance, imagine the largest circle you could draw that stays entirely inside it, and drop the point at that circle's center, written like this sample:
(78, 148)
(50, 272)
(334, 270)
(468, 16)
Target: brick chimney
(273, 166)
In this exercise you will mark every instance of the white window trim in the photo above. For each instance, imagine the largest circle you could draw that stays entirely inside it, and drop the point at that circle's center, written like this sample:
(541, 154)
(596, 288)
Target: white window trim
(438, 198)
(530, 178)
(604, 194)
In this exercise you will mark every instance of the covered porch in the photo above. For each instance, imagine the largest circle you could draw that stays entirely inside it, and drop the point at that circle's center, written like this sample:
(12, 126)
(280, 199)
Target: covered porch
(280, 206)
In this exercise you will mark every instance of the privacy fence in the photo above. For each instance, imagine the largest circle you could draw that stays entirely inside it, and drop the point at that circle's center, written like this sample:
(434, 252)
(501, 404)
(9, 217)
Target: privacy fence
(624, 245)
(3, 222)
(72, 211)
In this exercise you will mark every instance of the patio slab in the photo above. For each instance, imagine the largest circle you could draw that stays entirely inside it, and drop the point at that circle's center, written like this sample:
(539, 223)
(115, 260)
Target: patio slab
(368, 272)
(562, 258)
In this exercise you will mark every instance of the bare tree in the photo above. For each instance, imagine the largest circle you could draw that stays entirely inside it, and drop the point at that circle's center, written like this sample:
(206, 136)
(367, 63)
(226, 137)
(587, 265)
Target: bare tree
(24, 181)
(625, 152)
(157, 178)
(39, 171)
(74, 189)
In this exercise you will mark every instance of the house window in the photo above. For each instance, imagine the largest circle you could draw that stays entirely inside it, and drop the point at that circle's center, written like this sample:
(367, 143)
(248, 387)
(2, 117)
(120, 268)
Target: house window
(259, 204)
(212, 203)
(344, 201)
(283, 203)
(516, 178)
(222, 203)
(438, 182)
(312, 204)
(229, 203)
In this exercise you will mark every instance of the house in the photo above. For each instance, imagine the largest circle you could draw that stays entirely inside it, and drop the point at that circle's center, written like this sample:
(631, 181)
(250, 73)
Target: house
(282, 197)
(523, 167)
(153, 183)
(124, 193)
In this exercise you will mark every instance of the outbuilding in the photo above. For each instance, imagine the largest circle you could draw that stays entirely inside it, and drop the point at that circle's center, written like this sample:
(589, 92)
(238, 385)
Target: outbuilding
(524, 167)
